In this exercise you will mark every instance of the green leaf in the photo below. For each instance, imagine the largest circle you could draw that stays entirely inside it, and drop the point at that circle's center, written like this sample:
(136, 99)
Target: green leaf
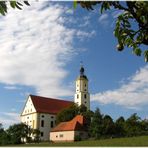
(13, 4)
(2, 10)
(19, 4)
(18, 7)
(146, 55)
(75, 4)
(137, 51)
(102, 8)
(26, 2)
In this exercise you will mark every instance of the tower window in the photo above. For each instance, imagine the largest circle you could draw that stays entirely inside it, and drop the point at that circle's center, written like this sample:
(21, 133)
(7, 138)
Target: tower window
(51, 124)
(42, 123)
(42, 134)
(85, 85)
(85, 96)
(61, 135)
(77, 96)
(42, 116)
(85, 102)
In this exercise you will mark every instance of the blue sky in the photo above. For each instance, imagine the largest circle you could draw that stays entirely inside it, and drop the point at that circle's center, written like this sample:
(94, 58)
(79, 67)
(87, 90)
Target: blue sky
(40, 53)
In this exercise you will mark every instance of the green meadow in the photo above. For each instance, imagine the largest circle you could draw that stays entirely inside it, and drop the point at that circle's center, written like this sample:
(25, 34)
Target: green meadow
(132, 141)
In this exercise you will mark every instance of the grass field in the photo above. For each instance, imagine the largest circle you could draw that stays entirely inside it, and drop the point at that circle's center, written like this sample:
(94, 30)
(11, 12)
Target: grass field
(134, 141)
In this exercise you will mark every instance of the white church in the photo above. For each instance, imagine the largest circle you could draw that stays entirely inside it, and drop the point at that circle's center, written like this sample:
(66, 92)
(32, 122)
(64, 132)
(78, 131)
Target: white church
(40, 113)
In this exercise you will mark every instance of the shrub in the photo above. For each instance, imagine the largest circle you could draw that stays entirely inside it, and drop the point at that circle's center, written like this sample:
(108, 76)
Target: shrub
(77, 138)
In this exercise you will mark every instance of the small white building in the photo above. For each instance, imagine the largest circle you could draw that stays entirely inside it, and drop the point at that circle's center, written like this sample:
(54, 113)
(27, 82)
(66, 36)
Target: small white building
(67, 131)
(40, 113)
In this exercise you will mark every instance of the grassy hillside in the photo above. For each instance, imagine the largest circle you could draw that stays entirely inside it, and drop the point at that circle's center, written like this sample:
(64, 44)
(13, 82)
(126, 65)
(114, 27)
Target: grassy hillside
(134, 141)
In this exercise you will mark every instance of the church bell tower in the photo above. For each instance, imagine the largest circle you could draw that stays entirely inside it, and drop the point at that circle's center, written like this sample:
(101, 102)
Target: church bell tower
(82, 95)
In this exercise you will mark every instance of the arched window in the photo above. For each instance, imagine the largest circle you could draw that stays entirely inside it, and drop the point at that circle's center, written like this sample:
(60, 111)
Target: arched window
(42, 123)
(51, 125)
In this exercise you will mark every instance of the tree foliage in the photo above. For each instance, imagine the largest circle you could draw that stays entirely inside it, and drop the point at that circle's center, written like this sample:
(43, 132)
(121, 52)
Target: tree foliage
(119, 126)
(131, 28)
(18, 133)
(103, 126)
(67, 114)
(36, 134)
(133, 125)
(108, 126)
(96, 128)
(70, 112)
(3, 136)
(14, 4)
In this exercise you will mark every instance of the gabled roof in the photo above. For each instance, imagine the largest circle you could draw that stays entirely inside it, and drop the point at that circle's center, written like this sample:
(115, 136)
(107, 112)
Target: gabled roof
(49, 105)
(76, 124)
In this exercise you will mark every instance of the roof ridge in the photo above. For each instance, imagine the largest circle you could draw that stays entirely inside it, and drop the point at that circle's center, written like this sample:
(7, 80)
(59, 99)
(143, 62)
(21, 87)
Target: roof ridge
(50, 98)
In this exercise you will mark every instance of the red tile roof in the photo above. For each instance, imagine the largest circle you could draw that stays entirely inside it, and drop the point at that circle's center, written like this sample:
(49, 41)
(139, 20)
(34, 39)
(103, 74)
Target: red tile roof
(76, 124)
(49, 105)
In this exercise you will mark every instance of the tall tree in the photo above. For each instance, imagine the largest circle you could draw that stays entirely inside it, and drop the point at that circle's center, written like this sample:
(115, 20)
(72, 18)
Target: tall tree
(96, 124)
(108, 126)
(3, 136)
(119, 127)
(18, 132)
(67, 113)
(133, 125)
(36, 134)
(144, 127)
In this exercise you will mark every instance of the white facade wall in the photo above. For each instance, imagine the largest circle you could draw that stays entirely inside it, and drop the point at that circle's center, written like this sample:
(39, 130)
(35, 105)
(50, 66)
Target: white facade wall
(45, 128)
(42, 121)
(62, 136)
(29, 115)
(30, 119)
(67, 135)
(29, 107)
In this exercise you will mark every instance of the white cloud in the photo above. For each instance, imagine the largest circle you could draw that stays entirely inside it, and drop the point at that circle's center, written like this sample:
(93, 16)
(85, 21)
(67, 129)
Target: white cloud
(86, 21)
(116, 13)
(103, 19)
(11, 87)
(7, 118)
(35, 46)
(82, 35)
(21, 101)
(132, 94)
